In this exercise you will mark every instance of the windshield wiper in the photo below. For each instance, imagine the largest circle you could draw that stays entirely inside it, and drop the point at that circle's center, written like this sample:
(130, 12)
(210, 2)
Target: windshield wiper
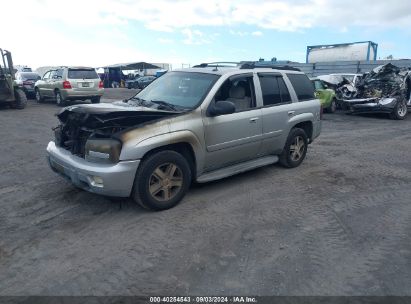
(165, 104)
(139, 101)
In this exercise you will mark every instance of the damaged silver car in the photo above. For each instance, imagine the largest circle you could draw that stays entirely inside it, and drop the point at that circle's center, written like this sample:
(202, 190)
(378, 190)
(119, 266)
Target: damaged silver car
(386, 89)
(200, 124)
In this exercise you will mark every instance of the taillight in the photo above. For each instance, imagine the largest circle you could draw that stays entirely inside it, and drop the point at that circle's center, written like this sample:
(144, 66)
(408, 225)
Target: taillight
(321, 112)
(100, 85)
(66, 85)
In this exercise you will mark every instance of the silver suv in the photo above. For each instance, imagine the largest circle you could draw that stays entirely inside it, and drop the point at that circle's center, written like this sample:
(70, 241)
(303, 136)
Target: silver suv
(69, 83)
(199, 124)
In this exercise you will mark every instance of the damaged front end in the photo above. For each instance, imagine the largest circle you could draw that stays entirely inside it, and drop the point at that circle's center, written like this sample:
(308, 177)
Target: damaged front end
(93, 132)
(386, 89)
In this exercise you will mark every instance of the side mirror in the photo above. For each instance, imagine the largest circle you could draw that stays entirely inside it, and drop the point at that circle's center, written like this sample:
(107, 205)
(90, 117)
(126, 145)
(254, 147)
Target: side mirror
(221, 108)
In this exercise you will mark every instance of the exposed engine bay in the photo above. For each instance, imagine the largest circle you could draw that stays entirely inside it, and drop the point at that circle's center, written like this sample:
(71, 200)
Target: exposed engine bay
(82, 122)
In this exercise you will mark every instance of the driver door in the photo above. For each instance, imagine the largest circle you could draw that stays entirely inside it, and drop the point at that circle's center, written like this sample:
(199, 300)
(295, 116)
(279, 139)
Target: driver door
(236, 137)
(43, 85)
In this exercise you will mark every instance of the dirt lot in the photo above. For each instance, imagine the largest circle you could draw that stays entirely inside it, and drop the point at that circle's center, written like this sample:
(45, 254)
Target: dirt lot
(338, 225)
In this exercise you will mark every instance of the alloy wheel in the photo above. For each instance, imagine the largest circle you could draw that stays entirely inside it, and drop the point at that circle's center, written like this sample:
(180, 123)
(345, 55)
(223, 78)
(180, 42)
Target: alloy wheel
(38, 97)
(297, 148)
(58, 99)
(165, 182)
(402, 109)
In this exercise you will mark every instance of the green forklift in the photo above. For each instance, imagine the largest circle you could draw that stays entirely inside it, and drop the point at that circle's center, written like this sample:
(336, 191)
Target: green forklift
(10, 93)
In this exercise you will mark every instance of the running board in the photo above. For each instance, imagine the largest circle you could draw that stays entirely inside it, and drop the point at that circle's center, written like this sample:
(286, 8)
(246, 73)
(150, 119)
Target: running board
(237, 168)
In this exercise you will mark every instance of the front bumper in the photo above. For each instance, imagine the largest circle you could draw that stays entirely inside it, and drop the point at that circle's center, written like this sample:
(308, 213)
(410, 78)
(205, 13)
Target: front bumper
(371, 105)
(106, 179)
(28, 90)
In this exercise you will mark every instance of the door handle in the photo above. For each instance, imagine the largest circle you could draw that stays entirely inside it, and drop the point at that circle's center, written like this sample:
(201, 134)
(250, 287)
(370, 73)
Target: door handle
(291, 113)
(254, 119)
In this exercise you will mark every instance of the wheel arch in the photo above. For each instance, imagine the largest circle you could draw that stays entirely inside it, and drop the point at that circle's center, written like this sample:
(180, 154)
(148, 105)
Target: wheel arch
(184, 142)
(307, 126)
(183, 148)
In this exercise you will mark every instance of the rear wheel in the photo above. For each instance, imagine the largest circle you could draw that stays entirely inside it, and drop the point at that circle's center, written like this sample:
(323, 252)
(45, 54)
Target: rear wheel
(295, 148)
(21, 99)
(400, 110)
(59, 99)
(38, 96)
(162, 180)
(95, 99)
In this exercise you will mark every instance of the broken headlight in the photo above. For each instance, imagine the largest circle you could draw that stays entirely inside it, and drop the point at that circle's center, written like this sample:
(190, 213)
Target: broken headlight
(103, 150)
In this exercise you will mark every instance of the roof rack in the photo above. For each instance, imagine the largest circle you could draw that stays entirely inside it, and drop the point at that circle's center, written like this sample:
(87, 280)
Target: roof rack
(246, 65)
(256, 65)
(217, 64)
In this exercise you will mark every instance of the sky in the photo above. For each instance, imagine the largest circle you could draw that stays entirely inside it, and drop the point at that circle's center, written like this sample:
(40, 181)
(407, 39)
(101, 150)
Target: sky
(102, 32)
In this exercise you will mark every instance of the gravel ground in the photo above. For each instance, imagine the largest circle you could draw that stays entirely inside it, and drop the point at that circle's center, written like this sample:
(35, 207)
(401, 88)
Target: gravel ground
(337, 225)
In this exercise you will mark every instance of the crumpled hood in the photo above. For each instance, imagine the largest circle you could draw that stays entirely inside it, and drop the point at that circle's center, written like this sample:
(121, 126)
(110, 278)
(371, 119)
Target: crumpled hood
(104, 108)
(105, 112)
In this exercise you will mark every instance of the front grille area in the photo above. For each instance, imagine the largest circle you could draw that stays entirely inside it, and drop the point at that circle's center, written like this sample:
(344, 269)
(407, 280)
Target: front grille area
(72, 139)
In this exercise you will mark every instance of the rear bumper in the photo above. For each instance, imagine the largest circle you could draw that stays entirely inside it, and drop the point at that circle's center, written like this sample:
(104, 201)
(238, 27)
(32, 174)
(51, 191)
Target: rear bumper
(105, 179)
(73, 94)
(28, 90)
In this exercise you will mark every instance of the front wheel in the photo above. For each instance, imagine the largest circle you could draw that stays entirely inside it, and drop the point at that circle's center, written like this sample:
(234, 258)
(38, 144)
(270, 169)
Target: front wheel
(333, 106)
(20, 99)
(38, 96)
(400, 110)
(162, 180)
(295, 148)
(59, 99)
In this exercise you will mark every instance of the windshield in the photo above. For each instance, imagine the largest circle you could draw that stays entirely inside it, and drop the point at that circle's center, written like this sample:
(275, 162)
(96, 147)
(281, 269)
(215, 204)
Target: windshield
(82, 74)
(179, 89)
(349, 77)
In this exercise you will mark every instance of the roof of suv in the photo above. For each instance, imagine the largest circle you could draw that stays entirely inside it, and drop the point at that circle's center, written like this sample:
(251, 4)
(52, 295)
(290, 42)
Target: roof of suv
(225, 70)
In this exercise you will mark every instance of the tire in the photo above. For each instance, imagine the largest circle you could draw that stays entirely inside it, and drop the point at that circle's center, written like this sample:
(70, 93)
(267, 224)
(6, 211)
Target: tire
(400, 110)
(289, 157)
(136, 85)
(333, 106)
(59, 99)
(95, 99)
(153, 171)
(38, 96)
(21, 99)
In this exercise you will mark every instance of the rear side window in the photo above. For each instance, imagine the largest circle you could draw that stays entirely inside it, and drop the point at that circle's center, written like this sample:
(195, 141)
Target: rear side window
(82, 74)
(274, 90)
(303, 87)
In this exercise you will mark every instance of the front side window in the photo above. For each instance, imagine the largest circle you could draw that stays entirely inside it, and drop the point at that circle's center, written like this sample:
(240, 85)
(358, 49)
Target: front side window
(303, 87)
(47, 75)
(180, 89)
(274, 90)
(239, 90)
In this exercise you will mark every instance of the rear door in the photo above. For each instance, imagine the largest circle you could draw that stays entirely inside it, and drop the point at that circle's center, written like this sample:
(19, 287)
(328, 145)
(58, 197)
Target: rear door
(56, 80)
(276, 111)
(83, 79)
